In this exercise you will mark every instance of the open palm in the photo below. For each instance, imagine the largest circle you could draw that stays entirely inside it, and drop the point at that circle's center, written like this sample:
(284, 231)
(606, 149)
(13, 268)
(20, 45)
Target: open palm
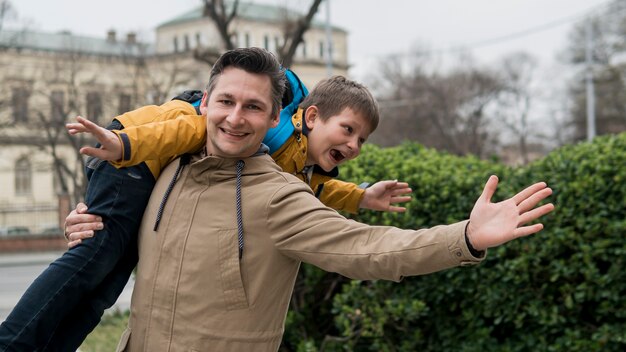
(492, 224)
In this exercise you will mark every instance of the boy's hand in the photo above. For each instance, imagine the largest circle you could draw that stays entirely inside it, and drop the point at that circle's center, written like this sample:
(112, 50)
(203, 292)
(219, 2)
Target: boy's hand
(79, 225)
(493, 224)
(111, 146)
(381, 195)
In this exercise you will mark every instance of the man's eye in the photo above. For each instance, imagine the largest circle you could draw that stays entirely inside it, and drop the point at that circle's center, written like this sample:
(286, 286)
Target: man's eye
(253, 107)
(226, 102)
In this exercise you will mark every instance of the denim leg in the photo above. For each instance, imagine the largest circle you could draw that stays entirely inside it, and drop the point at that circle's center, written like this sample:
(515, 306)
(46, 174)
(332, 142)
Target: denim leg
(75, 327)
(120, 197)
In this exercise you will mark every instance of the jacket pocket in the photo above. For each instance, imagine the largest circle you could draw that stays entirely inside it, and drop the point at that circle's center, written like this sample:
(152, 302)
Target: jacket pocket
(230, 270)
(121, 346)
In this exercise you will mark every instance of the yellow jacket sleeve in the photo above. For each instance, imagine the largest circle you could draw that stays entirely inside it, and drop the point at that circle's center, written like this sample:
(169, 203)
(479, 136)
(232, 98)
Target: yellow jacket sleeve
(341, 195)
(160, 133)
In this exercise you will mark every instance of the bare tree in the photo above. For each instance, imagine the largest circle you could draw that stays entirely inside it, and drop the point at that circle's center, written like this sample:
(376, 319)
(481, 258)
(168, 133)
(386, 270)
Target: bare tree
(514, 104)
(223, 13)
(444, 110)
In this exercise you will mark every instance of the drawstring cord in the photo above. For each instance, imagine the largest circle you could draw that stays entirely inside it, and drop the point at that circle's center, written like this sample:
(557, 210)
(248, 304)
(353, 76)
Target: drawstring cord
(239, 169)
(184, 160)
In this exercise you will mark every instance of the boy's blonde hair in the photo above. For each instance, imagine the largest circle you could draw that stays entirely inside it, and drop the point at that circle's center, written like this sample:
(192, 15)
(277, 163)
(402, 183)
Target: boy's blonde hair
(331, 96)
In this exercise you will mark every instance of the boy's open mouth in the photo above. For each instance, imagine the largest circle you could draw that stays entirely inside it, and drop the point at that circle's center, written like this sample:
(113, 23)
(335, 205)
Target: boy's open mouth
(336, 155)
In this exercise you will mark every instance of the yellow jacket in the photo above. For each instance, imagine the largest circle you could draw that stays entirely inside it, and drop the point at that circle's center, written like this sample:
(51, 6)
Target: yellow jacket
(158, 134)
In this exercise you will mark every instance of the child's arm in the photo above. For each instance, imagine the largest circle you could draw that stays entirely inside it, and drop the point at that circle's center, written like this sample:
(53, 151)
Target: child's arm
(349, 197)
(172, 133)
(156, 140)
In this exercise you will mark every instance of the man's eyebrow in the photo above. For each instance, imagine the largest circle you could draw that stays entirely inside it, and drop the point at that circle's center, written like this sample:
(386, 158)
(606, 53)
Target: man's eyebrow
(248, 101)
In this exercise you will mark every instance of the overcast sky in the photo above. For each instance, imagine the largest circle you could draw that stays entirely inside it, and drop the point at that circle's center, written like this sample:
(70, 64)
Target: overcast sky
(376, 28)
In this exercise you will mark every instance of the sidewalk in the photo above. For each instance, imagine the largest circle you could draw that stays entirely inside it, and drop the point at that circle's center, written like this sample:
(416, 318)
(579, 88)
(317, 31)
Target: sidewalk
(28, 258)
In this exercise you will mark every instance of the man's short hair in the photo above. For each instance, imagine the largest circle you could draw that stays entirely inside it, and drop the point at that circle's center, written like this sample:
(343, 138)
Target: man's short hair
(331, 96)
(252, 60)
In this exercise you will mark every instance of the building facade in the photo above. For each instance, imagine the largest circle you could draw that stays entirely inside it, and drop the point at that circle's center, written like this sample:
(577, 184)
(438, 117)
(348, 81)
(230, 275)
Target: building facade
(49, 78)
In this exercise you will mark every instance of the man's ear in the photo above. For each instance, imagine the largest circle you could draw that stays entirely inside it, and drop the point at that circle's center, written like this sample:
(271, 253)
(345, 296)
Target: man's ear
(204, 102)
(310, 116)
(275, 120)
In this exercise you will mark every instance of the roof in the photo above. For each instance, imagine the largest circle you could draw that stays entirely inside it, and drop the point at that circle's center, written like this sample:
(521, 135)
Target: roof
(249, 11)
(66, 41)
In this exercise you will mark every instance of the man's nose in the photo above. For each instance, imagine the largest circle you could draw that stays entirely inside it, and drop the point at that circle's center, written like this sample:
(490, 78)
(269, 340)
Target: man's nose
(236, 116)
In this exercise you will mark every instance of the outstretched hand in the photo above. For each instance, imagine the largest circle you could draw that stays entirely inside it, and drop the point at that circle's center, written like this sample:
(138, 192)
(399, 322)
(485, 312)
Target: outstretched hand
(111, 146)
(493, 224)
(381, 195)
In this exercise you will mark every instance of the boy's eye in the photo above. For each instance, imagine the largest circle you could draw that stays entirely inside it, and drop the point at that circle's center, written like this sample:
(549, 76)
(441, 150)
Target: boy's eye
(361, 141)
(349, 129)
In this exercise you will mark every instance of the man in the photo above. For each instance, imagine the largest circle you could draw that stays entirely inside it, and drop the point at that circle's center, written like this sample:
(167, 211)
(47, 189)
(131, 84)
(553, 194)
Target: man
(225, 230)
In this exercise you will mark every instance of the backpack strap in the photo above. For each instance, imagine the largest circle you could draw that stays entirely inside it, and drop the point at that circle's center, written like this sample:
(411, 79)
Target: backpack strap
(193, 97)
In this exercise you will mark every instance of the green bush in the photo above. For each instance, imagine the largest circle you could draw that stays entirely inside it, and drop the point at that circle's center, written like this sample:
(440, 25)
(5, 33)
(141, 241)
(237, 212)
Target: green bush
(559, 290)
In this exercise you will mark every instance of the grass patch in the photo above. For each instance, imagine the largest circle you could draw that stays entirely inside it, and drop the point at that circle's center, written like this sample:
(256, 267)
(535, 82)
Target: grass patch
(106, 335)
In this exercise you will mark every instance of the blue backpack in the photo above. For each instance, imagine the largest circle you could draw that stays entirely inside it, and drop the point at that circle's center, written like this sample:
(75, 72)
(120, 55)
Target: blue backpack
(277, 136)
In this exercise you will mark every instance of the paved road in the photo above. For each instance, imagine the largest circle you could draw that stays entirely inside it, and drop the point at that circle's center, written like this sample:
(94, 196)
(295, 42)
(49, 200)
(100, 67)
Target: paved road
(17, 271)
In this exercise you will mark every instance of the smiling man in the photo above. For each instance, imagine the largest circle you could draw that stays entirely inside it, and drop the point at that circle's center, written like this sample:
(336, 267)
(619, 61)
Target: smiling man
(225, 230)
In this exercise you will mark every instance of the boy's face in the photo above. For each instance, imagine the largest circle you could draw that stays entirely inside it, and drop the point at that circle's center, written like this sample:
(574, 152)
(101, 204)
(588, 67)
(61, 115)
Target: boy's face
(238, 113)
(335, 140)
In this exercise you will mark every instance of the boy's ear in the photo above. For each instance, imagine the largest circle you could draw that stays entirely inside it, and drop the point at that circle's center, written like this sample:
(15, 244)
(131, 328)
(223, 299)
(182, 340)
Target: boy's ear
(310, 116)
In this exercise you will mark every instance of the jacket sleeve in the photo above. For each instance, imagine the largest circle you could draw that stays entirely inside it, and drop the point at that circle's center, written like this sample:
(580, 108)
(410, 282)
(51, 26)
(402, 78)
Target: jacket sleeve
(174, 130)
(304, 229)
(341, 195)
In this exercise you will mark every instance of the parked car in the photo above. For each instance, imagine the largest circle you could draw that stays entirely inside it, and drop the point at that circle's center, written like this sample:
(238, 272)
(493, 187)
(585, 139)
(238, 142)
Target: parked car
(50, 231)
(14, 231)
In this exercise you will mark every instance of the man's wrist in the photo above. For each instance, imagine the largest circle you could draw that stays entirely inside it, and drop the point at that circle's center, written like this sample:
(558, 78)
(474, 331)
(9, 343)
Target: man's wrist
(473, 251)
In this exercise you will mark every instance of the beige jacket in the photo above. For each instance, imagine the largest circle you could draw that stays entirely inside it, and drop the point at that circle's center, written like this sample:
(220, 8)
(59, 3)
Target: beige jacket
(193, 293)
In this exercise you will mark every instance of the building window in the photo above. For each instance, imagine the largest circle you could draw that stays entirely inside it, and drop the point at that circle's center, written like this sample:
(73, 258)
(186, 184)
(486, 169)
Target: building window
(198, 40)
(322, 49)
(20, 104)
(23, 177)
(247, 40)
(124, 104)
(57, 104)
(94, 106)
(175, 44)
(187, 44)
(266, 42)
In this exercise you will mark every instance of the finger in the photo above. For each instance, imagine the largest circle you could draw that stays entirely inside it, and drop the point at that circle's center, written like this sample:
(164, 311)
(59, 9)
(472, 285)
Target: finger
(80, 235)
(396, 209)
(73, 244)
(529, 191)
(535, 213)
(399, 199)
(96, 152)
(527, 230)
(398, 192)
(77, 219)
(79, 227)
(81, 208)
(534, 199)
(490, 189)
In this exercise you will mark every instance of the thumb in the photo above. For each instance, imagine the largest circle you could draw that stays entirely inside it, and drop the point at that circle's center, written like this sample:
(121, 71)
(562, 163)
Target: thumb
(490, 189)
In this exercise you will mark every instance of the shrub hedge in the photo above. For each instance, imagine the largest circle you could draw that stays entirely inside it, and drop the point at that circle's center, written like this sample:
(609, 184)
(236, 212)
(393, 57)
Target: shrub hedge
(562, 289)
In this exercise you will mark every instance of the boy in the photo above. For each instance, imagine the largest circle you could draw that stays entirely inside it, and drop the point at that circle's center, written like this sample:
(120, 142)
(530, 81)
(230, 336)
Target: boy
(66, 302)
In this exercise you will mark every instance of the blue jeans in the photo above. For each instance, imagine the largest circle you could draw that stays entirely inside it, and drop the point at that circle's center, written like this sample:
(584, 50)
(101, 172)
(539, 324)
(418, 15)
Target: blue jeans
(65, 303)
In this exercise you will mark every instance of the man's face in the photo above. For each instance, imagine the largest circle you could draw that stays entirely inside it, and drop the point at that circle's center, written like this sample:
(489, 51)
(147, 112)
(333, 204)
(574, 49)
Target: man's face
(335, 140)
(238, 113)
